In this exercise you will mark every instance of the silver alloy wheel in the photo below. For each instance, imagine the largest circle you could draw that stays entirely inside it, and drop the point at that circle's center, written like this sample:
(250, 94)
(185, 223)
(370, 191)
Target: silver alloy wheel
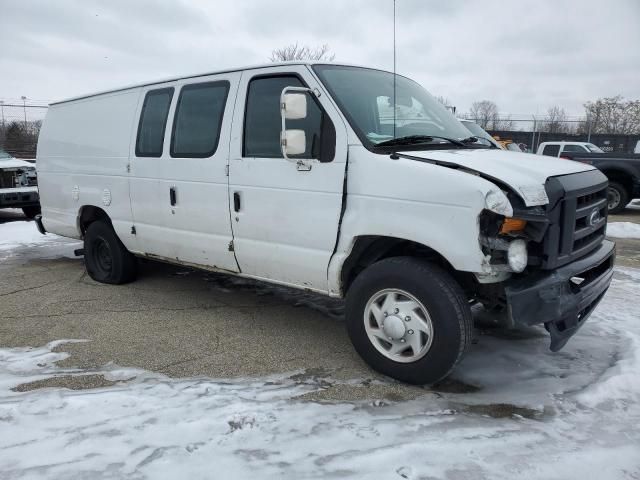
(613, 198)
(398, 325)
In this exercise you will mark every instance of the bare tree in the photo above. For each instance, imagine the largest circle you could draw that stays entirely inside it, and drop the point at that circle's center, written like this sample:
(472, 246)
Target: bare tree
(447, 103)
(443, 100)
(302, 52)
(613, 115)
(502, 123)
(20, 139)
(556, 121)
(484, 113)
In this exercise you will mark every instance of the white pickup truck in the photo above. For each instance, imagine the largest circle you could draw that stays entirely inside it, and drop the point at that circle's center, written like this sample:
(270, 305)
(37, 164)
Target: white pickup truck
(332, 179)
(18, 185)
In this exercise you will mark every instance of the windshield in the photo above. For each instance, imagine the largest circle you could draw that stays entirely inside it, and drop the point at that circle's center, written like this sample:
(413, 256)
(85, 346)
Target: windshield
(513, 147)
(366, 98)
(4, 154)
(593, 148)
(478, 131)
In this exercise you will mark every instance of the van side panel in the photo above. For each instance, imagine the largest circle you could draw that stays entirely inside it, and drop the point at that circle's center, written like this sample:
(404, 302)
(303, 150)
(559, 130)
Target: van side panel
(83, 155)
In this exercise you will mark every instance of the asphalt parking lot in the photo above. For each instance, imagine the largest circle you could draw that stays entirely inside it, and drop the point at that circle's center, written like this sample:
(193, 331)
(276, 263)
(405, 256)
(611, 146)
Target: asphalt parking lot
(187, 323)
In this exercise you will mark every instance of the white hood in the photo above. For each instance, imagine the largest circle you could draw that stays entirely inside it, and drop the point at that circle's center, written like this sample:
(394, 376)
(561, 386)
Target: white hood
(11, 162)
(526, 173)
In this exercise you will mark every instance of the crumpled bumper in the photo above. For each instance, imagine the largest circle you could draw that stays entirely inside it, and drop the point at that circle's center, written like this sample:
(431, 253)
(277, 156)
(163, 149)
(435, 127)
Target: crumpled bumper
(564, 298)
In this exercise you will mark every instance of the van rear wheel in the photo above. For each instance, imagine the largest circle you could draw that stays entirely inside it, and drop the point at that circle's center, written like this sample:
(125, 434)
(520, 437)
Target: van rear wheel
(106, 259)
(408, 319)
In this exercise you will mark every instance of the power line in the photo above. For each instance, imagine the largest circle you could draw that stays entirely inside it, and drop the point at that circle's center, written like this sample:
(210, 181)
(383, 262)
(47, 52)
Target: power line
(23, 106)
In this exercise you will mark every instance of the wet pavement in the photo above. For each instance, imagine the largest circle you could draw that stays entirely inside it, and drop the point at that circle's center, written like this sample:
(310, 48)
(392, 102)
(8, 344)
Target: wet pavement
(186, 323)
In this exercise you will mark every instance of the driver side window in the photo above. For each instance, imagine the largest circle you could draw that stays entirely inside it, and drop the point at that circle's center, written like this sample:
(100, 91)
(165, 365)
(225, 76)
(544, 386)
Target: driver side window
(262, 121)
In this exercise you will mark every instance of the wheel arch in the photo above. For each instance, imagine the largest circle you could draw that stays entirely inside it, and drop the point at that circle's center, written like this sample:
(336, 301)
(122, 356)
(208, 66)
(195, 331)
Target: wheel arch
(622, 177)
(89, 214)
(369, 249)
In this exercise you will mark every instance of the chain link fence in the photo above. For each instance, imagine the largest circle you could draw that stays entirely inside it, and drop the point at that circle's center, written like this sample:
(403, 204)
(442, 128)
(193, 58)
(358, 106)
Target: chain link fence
(529, 133)
(20, 122)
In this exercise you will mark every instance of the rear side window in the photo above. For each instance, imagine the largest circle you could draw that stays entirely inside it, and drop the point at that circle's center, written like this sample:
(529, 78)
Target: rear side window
(574, 148)
(153, 121)
(198, 118)
(551, 150)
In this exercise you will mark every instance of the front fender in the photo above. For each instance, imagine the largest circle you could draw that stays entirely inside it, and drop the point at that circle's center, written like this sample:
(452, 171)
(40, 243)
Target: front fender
(428, 204)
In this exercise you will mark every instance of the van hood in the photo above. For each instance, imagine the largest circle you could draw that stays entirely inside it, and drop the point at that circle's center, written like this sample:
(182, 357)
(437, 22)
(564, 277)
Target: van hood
(10, 162)
(525, 173)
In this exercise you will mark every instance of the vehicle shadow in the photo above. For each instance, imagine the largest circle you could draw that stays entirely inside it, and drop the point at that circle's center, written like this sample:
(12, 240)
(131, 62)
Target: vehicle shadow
(12, 215)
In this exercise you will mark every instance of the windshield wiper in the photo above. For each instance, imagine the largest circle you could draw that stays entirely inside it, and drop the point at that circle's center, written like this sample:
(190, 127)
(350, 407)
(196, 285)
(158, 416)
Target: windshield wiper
(419, 139)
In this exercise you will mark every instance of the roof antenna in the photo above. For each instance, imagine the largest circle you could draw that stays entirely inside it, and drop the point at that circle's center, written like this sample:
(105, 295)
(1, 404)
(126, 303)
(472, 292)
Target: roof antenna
(394, 68)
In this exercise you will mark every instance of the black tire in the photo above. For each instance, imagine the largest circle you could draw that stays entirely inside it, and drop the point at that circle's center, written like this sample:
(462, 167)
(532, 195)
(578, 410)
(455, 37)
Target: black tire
(617, 197)
(438, 292)
(105, 257)
(31, 212)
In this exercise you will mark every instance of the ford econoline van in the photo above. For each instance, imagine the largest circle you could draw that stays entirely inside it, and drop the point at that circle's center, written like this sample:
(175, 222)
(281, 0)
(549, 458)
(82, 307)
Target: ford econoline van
(342, 180)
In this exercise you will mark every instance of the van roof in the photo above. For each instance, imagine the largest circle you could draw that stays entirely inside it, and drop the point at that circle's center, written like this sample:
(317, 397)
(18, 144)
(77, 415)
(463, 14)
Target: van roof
(204, 74)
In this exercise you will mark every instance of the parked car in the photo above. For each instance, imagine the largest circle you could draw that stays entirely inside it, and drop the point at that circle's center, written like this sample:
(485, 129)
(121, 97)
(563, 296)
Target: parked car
(285, 173)
(622, 169)
(18, 185)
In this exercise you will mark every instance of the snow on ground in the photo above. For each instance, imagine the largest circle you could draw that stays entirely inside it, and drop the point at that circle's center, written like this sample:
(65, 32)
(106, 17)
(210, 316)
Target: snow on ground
(573, 414)
(623, 230)
(564, 415)
(23, 238)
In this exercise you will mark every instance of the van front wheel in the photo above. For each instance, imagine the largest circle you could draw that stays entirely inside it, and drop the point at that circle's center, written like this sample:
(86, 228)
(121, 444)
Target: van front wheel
(107, 260)
(408, 319)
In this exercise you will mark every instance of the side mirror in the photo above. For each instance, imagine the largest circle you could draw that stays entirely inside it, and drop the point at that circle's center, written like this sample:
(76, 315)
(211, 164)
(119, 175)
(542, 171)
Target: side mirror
(293, 142)
(293, 106)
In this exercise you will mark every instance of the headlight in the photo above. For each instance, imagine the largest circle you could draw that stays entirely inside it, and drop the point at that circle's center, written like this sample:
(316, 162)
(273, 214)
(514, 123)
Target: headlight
(517, 255)
(496, 201)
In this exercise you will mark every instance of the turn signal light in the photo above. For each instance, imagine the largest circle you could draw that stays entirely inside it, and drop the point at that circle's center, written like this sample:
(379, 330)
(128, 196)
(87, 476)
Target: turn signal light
(512, 225)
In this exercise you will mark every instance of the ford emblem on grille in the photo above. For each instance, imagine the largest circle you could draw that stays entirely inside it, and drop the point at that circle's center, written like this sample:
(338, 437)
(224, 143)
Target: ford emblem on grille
(594, 217)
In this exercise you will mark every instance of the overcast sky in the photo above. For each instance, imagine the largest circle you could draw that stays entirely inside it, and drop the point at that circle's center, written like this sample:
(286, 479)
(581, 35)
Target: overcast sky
(524, 55)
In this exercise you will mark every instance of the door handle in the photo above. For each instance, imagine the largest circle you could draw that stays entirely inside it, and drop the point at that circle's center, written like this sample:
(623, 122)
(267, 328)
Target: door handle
(303, 166)
(172, 196)
(236, 201)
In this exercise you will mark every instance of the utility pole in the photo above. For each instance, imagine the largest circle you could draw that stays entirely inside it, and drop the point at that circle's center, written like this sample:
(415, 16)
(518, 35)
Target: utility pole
(24, 108)
(533, 135)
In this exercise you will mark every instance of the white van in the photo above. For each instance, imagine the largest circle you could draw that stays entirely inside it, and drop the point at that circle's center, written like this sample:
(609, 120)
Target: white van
(297, 174)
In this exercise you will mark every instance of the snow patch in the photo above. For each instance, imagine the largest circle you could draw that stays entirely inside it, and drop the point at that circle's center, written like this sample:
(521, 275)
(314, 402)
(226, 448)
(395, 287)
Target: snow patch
(587, 401)
(18, 236)
(623, 230)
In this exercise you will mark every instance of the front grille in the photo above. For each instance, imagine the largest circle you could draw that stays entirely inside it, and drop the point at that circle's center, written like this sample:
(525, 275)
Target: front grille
(590, 221)
(578, 217)
(7, 179)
